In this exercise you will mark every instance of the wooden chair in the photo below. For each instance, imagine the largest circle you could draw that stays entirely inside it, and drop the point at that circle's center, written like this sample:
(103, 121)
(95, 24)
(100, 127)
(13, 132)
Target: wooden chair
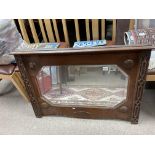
(51, 32)
(11, 72)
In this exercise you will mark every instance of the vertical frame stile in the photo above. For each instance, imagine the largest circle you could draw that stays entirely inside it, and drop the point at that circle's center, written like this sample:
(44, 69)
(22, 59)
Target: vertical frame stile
(140, 84)
(56, 30)
(87, 29)
(33, 30)
(42, 30)
(23, 30)
(49, 30)
(64, 24)
(29, 87)
(77, 29)
(95, 29)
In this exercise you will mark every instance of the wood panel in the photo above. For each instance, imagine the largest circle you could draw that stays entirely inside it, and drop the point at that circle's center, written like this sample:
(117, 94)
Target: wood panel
(49, 30)
(33, 30)
(42, 30)
(23, 30)
(95, 29)
(77, 29)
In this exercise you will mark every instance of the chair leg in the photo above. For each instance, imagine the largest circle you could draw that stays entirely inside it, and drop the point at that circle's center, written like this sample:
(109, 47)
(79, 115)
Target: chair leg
(18, 83)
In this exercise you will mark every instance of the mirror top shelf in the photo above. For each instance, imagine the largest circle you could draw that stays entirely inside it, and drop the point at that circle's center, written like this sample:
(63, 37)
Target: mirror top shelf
(91, 50)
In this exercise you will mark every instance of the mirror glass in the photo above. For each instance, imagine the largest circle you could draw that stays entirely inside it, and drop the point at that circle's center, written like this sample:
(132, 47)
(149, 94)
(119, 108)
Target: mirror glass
(83, 85)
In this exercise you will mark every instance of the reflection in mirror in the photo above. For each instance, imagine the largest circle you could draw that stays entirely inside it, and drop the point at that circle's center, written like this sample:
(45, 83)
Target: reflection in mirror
(83, 85)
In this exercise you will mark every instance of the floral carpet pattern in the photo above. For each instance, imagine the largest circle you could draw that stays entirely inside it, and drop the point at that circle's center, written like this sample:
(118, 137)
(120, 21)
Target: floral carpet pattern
(86, 96)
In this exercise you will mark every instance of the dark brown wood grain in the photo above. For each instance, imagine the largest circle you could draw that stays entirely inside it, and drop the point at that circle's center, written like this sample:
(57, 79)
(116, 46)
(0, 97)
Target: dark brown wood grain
(100, 49)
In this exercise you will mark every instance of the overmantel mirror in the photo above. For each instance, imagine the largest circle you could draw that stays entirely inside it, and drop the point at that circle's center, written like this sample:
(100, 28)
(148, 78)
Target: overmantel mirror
(102, 82)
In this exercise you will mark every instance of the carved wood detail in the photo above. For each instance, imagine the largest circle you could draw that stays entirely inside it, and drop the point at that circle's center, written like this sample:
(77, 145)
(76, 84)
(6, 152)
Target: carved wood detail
(32, 65)
(129, 63)
(28, 86)
(144, 61)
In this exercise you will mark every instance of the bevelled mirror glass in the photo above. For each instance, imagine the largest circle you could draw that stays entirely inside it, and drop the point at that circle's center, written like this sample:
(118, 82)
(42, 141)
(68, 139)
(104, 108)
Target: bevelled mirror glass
(83, 85)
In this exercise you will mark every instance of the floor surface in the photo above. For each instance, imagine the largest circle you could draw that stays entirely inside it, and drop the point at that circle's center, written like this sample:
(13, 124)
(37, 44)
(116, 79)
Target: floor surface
(17, 117)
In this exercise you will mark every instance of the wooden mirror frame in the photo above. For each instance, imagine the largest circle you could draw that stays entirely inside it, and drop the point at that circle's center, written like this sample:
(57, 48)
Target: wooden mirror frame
(133, 60)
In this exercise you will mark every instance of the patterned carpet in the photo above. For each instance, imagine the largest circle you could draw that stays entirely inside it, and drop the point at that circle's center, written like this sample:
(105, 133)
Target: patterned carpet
(88, 96)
